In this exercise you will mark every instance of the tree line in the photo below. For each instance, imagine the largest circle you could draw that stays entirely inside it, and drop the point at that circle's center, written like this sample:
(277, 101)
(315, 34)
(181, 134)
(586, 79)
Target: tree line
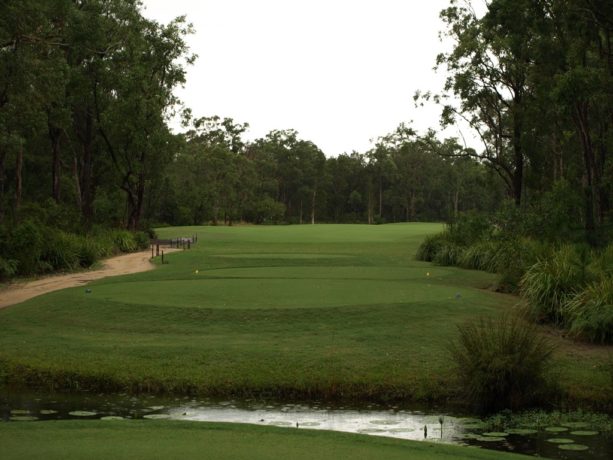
(86, 95)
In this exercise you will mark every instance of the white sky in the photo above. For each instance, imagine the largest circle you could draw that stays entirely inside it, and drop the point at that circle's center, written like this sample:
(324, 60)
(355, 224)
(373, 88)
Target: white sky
(340, 72)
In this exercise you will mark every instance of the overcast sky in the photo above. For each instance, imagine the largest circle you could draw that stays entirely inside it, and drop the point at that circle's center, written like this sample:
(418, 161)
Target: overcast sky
(340, 72)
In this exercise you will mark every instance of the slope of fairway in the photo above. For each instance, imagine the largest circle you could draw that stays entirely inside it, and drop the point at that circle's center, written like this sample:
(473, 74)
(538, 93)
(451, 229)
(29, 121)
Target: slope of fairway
(197, 440)
(338, 311)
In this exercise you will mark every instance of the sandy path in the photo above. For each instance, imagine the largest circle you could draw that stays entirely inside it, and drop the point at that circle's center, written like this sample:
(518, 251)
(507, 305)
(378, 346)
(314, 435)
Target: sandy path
(120, 265)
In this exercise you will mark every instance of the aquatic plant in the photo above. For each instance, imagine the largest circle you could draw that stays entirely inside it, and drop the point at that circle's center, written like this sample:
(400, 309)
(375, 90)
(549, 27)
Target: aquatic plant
(501, 363)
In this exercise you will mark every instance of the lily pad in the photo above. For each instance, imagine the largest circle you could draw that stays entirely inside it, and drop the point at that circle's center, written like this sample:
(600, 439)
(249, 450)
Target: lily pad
(496, 434)
(156, 416)
(48, 411)
(556, 429)
(584, 433)
(384, 422)
(522, 431)
(23, 418)
(490, 439)
(575, 424)
(560, 441)
(20, 412)
(112, 417)
(575, 447)
(82, 413)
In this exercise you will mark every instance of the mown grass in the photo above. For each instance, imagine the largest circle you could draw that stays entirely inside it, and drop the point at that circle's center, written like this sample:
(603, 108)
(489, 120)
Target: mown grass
(186, 440)
(326, 311)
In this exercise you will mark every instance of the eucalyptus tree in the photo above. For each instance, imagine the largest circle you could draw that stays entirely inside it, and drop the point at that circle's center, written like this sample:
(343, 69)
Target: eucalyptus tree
(133, 97)
(488, 73)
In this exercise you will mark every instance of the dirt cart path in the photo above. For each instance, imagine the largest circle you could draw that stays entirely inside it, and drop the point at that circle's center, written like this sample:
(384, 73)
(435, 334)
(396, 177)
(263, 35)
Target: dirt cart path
(119, 265)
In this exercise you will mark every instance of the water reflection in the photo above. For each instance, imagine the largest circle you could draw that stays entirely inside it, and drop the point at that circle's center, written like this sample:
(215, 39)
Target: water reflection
(434, 426)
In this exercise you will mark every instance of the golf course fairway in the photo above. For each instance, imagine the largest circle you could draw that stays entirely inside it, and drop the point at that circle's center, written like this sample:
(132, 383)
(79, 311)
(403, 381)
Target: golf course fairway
(312, 311)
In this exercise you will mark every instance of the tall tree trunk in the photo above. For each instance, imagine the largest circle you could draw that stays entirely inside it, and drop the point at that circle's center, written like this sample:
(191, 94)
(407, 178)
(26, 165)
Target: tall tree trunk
(85, 131)
(380, 196)
(54, 137)
(77, 180)
(313, 206)
(18, 178)
(518, 154)
(582, 124)
(2, 181)
(300, 218)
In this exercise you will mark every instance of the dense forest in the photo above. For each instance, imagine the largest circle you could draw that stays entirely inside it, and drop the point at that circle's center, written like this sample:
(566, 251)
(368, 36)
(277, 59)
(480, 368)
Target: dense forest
(86, 96)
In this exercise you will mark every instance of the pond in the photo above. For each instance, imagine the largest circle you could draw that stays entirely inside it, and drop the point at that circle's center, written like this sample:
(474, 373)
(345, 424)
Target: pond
(573, 440)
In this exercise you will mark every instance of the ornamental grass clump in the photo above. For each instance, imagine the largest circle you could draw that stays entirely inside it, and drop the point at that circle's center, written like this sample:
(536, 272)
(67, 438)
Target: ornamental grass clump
(589, 314)
(551, 282)
(501, 364)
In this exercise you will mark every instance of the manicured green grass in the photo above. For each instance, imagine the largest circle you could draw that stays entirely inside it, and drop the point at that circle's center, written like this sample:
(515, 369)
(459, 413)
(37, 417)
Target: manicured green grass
(186, 440)
(338, 311)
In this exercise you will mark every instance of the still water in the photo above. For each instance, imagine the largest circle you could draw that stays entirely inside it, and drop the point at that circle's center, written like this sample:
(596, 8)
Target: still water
(574, 441)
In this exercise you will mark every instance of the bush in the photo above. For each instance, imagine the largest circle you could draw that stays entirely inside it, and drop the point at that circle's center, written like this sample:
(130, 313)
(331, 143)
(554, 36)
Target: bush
(25, 246)
(124, 240)
(8, 267)
(141, 239)
(552, 281)
(469, 228)
(431, 246)
(448, 254)
(61, 250)
(480, 256)
(501, 364)
(589, 314)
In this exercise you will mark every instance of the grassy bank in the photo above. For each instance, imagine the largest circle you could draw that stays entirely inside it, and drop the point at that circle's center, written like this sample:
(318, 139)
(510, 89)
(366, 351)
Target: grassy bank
(332, 311)
(157, 439)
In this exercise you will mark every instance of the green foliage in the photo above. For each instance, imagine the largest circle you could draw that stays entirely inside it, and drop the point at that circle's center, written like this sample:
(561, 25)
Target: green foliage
(589, 314)
(124, 240)
(552, 281)
(481, 256)
(25, 245)
(62, 250)
(448, 253)
(141, 240)
(8, 267)
(469, 228)
(430, 247)
(501, 364)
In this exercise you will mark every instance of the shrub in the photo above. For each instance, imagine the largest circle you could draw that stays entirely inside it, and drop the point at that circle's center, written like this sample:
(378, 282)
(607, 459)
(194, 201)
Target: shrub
(25, 245)
(589, 314)
(551, 282)
(480, 256)
(501, 364)
(61, 250)
(430, 247)
(124, 240)
(141, 239)
(8, 267)
(469, 228)
(601, 264)
(448, 254)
